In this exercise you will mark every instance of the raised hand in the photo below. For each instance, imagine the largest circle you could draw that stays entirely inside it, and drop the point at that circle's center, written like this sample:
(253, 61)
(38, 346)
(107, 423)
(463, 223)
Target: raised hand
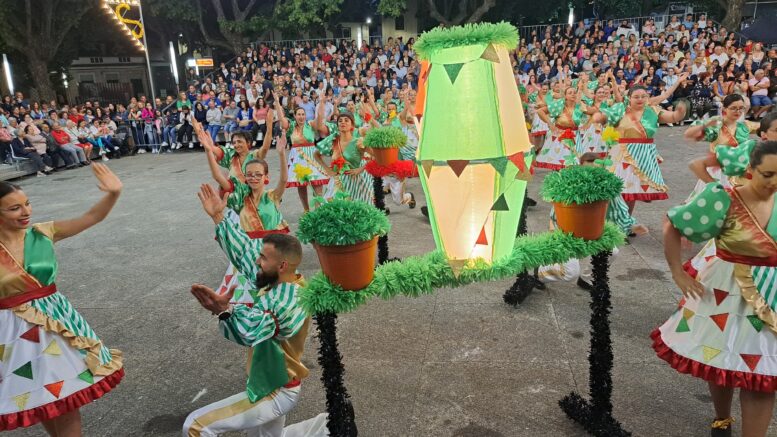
(210, 300)
(107, 181)
(211, 202)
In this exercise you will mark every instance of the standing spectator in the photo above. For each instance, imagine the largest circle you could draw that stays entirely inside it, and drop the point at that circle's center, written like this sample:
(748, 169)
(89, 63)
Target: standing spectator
(213, 117)
(759, 100)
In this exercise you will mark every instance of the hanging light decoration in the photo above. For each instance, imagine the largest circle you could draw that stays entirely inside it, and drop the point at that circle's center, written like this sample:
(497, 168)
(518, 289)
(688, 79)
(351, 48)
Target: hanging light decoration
(121, 11)
(474, 150)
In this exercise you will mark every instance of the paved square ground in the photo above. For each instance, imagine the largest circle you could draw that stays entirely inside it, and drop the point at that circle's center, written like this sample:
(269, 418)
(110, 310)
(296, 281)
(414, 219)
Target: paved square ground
(457, 363)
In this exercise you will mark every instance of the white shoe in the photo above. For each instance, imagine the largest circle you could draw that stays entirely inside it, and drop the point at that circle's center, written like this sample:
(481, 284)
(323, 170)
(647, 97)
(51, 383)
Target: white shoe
(191, 145)
(141, 151)
(41, 174)
(178, 146)
(102, 152)
(115, 147)
(164, 143)
(105, 158)
(48, 168)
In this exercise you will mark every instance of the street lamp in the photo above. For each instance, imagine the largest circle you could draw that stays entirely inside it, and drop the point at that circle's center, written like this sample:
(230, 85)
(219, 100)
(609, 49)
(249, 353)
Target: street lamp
(571, 19)
(174, 64)
(7, 70)
(369, 20)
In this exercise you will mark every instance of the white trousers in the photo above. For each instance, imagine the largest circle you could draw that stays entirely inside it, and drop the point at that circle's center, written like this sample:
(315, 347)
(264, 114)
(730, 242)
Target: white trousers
(397, 189)
(264, 418)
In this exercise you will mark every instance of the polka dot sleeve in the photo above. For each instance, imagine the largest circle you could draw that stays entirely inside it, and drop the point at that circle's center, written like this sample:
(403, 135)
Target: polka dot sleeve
(734, 160)
(702, 217)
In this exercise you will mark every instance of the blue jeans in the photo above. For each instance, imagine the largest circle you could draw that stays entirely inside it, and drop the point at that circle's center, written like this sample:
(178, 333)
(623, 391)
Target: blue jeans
(213, 130)
(230, 127)
(760, 101)
(168, 134)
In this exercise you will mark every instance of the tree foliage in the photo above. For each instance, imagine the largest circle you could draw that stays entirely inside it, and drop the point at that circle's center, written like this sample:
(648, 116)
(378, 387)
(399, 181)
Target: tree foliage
(36, 31)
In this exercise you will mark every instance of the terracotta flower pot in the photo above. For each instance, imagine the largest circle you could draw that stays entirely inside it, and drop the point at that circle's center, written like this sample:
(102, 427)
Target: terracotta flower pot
(583, 221)
(386, 156)
(351, 267)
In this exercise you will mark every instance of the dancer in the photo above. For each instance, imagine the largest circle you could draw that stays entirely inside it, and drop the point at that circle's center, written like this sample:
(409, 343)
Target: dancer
(538, 127)
(635, 159)
(275, 329)
(302, 166)
(236, 158)
(51, 361)
(702, 168)
(395, 185)
(341, 143)
(590, 134)
(563, 116)
(256, 211)
(726, 130)
(724, 330)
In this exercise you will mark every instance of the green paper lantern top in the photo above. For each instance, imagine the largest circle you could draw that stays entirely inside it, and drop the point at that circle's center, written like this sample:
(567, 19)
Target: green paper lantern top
(388, 137)
(472, 34)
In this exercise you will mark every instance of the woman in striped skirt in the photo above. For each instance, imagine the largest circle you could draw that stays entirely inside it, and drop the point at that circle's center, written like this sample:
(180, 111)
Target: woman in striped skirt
(51, 362)
(346, 170)
(635, 158)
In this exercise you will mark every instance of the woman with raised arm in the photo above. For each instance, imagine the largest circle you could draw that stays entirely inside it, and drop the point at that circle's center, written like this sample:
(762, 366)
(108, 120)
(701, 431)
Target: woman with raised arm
(725, 328)
(51, 361)
(303, 168)
(239, 154)
(635, 158)
(256, 210)
(563, 117)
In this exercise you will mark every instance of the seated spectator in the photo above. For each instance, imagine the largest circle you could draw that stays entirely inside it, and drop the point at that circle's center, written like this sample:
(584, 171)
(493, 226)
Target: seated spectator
(54, 151)
(245, 117)
(230, 119)
(759, 98)
(701, 96)
(68, 144)
(184, 127)
(22, 148)
(169, 129)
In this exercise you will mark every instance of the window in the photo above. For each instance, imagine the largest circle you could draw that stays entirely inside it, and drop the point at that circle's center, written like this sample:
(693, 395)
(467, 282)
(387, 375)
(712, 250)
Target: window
(399, 23)
(86, 77)
(124, 59)
(112, 77)
(96, 60)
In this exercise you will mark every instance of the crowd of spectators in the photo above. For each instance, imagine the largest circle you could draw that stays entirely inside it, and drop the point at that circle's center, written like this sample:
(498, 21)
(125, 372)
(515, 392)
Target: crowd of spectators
(718, 63)
(238, 96)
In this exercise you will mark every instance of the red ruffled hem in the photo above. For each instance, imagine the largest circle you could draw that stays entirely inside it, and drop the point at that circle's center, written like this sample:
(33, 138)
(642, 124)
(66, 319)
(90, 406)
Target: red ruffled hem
(644, 197)
(61, 406)
(548, 165)
(399, 169)
(720, 377)
(316, 183)
(688, 267)
(539, 133)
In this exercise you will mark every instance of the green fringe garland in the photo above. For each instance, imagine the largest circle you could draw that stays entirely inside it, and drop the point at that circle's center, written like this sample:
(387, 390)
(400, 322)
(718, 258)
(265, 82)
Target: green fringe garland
(580, 184)
(419, 275)
(388, 137)
(342, 222)
(439, 38)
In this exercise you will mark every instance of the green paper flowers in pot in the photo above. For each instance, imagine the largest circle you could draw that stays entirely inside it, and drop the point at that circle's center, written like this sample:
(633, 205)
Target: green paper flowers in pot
(384, 144)
(580, 195)
(345, 234)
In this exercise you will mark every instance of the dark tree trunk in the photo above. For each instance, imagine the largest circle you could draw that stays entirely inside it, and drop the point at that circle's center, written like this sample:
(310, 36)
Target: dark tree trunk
(733, 14)
(40, 76)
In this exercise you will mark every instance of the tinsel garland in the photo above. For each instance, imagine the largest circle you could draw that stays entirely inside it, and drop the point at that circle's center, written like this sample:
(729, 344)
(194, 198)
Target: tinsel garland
(596, 415)
(379, 202)
(419, 275)
(399, 169)
(341, 420)
(524, 282)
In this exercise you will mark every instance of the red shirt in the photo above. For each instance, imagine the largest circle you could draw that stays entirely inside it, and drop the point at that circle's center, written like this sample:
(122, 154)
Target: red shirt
(75, 118)
(60, 136)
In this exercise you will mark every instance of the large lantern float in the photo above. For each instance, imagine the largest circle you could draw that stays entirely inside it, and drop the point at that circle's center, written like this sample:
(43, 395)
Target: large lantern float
(474, 148)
